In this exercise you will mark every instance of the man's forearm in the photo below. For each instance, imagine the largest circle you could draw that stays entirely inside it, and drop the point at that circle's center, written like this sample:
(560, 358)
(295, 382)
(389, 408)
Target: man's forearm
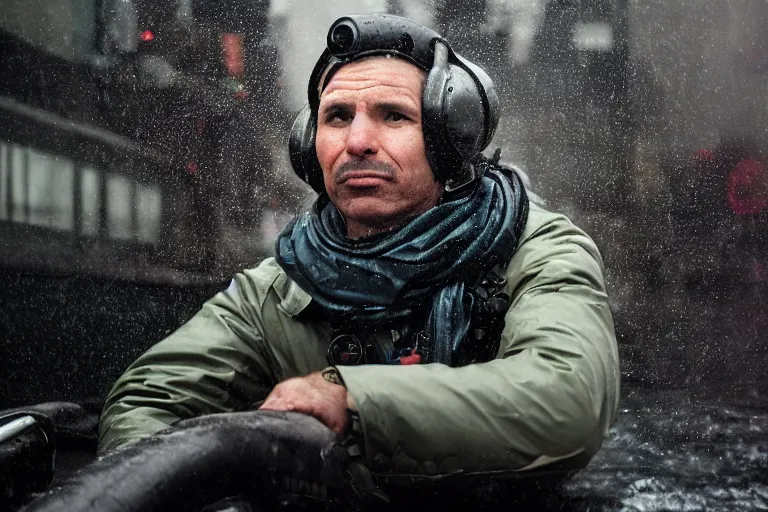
(200, 369)
(121, 425)
(503, 415)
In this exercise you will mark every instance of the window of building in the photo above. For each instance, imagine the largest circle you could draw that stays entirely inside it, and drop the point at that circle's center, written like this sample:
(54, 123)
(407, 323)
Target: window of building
(149, 202)
(90, 201)
(50, 191)
(120, 191)
(120, 26)
(18, 187)
(37, 188)
(4, 182)
(55, 192)
(65, 29)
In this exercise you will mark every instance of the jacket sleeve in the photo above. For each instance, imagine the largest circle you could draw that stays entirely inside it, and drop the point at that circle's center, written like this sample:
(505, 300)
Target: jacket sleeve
(550, 396)
(216, 362)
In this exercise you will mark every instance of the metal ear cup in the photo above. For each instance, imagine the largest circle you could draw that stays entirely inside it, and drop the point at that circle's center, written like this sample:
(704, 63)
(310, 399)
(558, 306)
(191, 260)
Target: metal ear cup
(432, 113)
(489, 95)
(454, 118)
(301, 148)
(464, 124)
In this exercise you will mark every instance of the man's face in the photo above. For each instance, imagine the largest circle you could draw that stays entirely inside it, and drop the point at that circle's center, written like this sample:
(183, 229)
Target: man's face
(371, 147)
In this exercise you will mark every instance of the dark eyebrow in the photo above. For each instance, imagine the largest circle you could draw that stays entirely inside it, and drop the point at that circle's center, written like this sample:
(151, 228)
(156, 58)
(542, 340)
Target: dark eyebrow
(398, 106)
(334, 105)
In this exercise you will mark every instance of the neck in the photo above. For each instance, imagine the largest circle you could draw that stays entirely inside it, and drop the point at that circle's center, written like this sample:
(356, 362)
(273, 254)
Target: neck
(357, 230)
(360, 228)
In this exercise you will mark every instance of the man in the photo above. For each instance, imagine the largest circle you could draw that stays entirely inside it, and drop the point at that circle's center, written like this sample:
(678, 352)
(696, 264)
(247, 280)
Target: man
(419, 250)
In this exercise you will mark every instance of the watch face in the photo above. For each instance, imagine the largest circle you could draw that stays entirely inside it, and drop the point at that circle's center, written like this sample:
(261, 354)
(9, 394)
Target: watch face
(346, 350)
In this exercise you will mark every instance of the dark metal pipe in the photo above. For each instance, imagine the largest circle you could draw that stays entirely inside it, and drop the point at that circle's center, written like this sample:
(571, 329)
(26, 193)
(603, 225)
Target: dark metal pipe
(27, 453)
(203, 460)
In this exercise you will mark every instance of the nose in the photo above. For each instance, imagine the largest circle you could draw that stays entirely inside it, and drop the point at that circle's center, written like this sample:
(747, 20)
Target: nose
(362, 138)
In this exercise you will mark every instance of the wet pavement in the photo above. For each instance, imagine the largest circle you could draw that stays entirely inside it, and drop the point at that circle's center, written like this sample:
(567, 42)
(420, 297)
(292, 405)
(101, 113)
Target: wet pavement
(672, 450)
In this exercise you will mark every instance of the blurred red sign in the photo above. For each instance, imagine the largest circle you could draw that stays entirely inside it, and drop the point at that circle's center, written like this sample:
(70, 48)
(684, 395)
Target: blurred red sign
(747, 187)
(232, 54)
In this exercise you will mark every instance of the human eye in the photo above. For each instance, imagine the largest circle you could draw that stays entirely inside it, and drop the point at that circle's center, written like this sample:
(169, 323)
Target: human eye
(396, 116)
(337, 115)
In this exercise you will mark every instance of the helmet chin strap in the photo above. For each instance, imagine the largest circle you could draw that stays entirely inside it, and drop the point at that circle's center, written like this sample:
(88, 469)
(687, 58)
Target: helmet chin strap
(469, 172)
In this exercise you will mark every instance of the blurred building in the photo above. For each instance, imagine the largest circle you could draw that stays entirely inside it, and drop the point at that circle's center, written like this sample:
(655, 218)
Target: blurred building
(142, 143)
(133, 157)
(120, 121)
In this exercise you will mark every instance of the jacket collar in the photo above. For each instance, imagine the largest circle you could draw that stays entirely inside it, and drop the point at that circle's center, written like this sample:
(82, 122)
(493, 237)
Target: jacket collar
(293, 300)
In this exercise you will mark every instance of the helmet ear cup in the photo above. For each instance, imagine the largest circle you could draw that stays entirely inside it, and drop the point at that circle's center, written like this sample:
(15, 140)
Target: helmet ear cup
(456, 113)
(432, 120)
(488, 90)
(301, 148)
(464, 117)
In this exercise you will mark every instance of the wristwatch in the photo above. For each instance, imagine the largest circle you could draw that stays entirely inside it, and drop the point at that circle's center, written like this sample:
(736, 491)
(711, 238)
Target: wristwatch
(332, 375)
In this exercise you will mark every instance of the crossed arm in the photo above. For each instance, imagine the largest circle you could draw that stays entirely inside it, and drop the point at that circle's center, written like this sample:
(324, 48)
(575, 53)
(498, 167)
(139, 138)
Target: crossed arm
(550, 395)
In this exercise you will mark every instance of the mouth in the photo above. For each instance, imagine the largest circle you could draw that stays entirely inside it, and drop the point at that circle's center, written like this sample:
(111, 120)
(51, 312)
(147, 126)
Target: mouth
(363, 178)
(364, 174)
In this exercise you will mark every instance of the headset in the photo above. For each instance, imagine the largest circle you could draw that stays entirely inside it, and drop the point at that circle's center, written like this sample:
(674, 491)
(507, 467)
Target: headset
(460, 106)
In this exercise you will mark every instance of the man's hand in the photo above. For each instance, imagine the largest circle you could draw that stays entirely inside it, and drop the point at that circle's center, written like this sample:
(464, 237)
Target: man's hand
(312, 395)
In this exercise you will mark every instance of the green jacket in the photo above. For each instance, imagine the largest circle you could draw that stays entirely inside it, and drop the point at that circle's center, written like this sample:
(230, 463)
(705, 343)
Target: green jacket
(549, 396)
